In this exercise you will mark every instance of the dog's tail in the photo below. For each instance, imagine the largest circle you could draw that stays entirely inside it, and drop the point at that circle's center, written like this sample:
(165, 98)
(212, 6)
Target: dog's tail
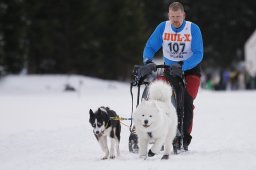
(160, 90)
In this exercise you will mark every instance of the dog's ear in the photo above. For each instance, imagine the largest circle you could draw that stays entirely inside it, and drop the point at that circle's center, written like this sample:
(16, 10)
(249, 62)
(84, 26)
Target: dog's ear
(91, 112)
(99, 111)
(92, 116)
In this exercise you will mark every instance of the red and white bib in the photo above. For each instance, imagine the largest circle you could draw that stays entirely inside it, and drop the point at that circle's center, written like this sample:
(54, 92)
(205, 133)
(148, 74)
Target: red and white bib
(177, 46)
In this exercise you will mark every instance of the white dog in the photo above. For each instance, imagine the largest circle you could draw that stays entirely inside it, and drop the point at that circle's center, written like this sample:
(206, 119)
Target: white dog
(155, 120)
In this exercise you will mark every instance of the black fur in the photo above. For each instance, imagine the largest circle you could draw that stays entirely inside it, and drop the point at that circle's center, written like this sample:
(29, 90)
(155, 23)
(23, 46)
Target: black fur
(105, 118)
(105, 126)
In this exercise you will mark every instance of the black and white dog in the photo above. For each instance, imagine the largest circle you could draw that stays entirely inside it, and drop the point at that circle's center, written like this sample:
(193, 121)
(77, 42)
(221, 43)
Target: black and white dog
(104, 125)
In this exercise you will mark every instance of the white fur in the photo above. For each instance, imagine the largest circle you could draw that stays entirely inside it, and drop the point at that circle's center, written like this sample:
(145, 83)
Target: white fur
(161, 117)
(103, 139)
(114, 145)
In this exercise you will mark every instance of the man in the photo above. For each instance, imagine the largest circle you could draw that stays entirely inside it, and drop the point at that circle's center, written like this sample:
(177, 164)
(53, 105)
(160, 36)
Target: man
(182, 46)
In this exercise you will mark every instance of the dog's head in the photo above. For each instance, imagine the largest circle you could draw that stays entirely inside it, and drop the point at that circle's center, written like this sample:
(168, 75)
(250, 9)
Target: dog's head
(99, 121)
(146, 116)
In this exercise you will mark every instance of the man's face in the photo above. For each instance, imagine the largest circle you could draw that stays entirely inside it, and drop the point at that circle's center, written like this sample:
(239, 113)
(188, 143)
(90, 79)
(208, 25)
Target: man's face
(176, 17)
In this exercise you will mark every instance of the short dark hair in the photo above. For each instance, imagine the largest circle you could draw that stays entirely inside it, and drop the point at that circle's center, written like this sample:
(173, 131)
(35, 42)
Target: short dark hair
(175, 6)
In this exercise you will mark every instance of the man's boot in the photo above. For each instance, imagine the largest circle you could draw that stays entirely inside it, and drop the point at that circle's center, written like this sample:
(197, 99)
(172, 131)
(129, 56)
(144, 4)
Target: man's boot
(186, 141)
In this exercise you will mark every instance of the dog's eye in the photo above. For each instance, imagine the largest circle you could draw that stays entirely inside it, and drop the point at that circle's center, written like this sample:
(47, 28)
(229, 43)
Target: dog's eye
(94, 125)
(143, 115)
(99, 124)
(150, 116)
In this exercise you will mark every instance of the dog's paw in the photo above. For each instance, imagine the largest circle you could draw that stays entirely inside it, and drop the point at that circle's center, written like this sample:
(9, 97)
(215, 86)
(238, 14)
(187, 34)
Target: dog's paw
(104, 157)
(143, 157)
(150, 153)
(112, 156)
(165, 157)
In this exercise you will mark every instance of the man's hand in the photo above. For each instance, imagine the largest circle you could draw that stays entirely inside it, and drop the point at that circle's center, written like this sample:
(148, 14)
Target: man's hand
(146, 69)
(176, 70)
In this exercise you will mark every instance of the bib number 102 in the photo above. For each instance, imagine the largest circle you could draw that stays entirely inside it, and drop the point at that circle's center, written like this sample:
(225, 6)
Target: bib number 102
(175, 47)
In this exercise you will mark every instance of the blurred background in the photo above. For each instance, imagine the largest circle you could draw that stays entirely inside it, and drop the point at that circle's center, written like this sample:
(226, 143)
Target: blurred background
(105, 39)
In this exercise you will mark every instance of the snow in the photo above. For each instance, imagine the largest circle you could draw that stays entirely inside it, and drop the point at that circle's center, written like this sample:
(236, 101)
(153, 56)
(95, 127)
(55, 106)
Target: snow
(42, 127)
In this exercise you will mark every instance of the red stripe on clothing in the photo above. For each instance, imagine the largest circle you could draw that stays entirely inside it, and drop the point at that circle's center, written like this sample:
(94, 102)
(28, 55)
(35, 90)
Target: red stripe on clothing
(192, 85)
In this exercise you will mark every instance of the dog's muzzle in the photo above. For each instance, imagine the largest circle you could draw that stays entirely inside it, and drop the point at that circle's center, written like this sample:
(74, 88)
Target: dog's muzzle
(146, 125)
(98, 133)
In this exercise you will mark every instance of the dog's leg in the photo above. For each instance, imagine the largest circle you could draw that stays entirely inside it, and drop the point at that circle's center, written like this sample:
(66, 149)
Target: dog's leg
(167, 148)
(117, 147)
(168, 141)
(104, 146)
(112, 148)
(157, 146)
(143, 145)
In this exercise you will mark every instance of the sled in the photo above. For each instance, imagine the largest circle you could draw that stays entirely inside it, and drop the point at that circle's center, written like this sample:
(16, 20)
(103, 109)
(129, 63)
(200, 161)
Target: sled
(145, 81)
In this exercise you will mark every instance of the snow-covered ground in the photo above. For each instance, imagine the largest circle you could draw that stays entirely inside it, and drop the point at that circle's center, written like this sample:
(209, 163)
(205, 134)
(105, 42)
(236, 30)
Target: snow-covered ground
(44, 128)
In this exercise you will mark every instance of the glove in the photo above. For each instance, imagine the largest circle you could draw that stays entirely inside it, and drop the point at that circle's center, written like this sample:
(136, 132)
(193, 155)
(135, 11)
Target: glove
(146, 69)
(176, 70)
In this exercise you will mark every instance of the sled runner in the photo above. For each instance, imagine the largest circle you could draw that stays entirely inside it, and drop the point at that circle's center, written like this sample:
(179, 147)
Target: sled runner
(144, 81)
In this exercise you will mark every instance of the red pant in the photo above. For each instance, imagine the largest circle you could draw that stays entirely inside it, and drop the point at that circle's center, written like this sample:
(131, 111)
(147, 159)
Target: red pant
(192, 83)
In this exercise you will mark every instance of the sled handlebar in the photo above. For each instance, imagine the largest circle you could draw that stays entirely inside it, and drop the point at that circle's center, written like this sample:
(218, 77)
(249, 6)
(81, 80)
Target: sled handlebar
(140, 80)
(162, 66)
(157, 66)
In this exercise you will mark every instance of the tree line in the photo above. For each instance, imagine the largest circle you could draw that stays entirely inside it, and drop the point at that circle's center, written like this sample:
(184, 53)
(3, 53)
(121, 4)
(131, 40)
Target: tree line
(106, 38)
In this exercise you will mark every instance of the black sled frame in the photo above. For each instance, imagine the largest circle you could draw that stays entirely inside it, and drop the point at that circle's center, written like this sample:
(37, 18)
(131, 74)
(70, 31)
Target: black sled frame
(138, 82)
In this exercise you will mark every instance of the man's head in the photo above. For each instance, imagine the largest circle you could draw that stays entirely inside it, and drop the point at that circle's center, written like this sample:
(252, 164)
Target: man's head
(176, 14)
